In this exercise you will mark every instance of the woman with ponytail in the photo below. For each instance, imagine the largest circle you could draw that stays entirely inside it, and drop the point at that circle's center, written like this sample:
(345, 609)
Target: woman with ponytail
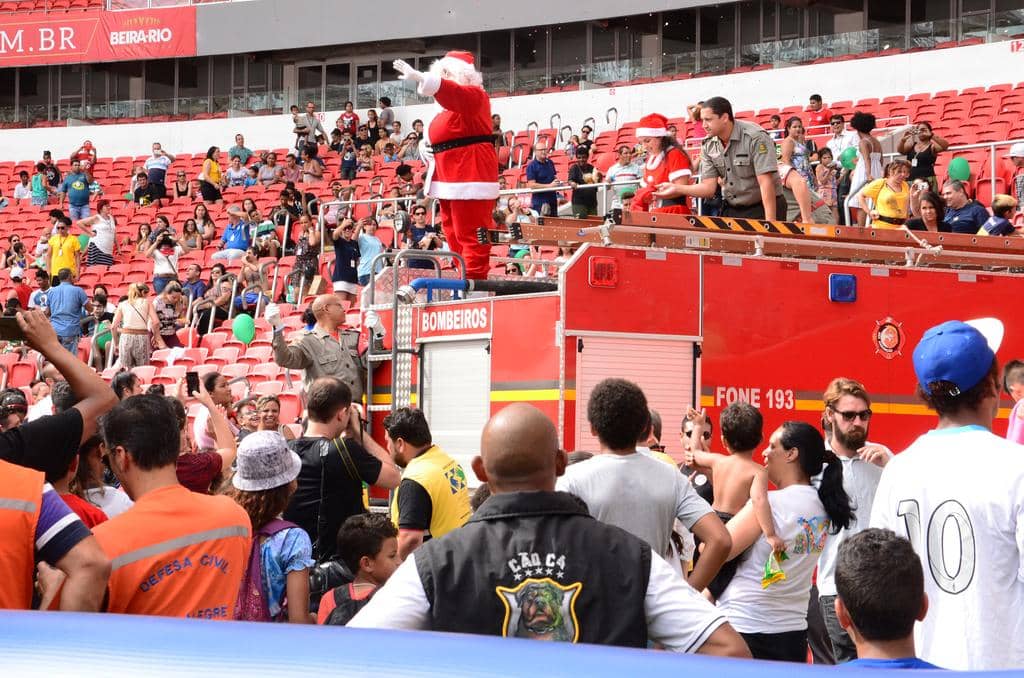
(767, 599)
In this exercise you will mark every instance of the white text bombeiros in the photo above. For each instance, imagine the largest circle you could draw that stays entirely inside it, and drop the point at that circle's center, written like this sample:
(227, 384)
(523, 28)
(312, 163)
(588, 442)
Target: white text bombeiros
(141, 37)
(454, 319)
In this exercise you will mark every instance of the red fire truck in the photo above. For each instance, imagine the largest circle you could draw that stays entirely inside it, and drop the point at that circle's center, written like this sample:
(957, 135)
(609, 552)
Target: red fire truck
(699, 311)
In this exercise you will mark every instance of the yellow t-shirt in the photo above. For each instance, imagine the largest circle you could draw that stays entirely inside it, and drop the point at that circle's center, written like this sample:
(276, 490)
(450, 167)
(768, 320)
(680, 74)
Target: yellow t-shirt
(64, 253)
(444, 480)
(888, 203)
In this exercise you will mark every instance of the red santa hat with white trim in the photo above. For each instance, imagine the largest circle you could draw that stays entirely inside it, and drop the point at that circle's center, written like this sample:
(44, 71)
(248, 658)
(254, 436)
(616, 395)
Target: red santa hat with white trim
(460, 66)
(653, 125)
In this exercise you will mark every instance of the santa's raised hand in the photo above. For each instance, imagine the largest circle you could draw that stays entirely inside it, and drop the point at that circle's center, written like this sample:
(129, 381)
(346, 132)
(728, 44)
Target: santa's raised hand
(407, 72)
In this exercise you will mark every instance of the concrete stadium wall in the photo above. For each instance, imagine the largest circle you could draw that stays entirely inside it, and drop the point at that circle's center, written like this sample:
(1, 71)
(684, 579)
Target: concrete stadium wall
(876, 77)
(314, 23)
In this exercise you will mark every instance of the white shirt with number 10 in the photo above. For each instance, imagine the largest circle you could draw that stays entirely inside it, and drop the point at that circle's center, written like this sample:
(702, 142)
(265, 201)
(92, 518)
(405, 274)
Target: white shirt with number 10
(958, 495)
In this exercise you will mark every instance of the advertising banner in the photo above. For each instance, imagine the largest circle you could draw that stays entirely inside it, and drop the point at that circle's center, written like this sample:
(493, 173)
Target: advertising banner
(81, 37)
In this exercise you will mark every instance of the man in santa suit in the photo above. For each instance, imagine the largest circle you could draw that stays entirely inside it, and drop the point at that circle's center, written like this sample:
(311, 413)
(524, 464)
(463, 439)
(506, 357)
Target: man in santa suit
(666, 162)
(462, 164)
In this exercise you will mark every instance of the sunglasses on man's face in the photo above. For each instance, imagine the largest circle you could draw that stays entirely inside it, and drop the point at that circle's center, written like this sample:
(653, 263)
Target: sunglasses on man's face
(850, 415)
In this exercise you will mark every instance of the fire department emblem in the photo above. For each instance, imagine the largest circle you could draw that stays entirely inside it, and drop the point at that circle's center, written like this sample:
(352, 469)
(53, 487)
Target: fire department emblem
(888, 338)
(541, 609)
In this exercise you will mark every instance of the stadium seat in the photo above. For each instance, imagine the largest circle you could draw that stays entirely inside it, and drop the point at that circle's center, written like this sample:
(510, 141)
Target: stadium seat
(224, 356)
(171, 374)
(267, 387)
(22, 374)
(291, 407)
(145, 373)
(266, 372)
(233, 371)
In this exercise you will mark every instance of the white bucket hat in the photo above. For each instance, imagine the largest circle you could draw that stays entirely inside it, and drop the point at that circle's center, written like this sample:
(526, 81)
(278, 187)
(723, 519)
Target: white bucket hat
(265, 462)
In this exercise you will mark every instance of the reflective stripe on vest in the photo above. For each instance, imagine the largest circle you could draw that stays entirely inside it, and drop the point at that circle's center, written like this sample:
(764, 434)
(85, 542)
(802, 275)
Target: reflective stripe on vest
(21, 492)
(19, 505)
(177, 543)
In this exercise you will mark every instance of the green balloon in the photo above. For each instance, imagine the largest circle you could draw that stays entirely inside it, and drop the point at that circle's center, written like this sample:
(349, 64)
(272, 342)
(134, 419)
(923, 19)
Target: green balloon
(103, 335)
(83, 240)
(244, 328)
(959, 169)
(848, 158)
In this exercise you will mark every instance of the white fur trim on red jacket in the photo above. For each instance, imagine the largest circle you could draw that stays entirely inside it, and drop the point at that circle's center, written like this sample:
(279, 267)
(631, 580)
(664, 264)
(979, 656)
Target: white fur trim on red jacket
(464, 190)
(679, 173)
(431, 83)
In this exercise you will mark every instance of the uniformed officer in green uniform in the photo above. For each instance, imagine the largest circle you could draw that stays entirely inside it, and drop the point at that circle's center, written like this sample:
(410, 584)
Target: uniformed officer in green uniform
(742, 155)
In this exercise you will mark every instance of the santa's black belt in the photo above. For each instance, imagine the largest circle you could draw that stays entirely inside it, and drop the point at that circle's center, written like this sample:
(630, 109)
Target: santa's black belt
(442, 146)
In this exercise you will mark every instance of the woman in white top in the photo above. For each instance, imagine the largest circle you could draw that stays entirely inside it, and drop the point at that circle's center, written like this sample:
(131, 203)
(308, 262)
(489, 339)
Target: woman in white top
(772, 615)
(102, 236)
(869, 163)
(133, 322)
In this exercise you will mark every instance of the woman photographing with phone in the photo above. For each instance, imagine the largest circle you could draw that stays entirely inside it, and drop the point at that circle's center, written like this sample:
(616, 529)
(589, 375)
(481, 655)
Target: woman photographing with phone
(921, 146)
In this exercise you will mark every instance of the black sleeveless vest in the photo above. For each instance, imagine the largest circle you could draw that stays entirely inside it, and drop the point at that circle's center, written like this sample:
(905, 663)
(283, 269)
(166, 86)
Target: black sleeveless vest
(537, 565)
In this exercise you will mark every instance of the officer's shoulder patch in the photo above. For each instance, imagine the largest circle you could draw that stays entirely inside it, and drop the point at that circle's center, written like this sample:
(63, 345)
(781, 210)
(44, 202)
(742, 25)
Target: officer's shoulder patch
(762, 148)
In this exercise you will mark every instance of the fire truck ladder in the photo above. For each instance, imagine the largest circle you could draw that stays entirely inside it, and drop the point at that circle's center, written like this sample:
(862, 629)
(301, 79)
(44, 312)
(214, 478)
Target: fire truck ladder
(402, 346)
(753, 237)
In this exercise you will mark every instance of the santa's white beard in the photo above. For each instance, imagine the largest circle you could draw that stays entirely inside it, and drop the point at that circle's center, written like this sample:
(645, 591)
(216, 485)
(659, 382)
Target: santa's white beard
(457, 70)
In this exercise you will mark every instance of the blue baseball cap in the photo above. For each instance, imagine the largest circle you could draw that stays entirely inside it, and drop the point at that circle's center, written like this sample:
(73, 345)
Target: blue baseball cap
(955, 352)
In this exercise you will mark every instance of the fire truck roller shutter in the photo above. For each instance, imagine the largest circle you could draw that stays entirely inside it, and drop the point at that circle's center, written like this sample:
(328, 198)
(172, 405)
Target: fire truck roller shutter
(663, 368)
(456, 397)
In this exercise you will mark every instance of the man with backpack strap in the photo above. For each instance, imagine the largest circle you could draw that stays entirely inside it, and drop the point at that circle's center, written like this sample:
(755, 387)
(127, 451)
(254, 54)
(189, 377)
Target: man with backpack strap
(337, 458)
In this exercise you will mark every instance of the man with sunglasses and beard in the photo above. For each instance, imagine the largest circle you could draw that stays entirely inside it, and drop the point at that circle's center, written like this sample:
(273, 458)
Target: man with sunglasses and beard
(846, 420)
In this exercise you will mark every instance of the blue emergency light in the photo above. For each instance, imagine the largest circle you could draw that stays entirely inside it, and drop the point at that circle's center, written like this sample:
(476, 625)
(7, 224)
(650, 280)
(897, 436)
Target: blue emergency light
(842, 288)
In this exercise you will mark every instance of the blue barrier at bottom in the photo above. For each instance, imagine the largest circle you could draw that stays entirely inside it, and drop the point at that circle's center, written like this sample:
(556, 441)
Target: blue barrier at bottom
(84, 645)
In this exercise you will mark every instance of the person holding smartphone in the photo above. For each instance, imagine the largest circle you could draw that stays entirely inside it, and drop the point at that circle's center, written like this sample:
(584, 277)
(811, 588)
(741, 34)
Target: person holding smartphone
(921, 147)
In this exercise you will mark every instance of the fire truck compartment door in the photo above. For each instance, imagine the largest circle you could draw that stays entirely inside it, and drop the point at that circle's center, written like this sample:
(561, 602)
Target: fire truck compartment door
(456, 397)
(663, 368)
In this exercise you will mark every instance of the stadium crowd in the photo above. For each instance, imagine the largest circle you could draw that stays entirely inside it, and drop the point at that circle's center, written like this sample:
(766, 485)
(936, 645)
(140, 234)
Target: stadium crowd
(112, 502)
(188, 501)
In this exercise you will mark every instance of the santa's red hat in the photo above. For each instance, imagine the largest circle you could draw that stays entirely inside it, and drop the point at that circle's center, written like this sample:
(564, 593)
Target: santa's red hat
(653, 125)
(461, 56)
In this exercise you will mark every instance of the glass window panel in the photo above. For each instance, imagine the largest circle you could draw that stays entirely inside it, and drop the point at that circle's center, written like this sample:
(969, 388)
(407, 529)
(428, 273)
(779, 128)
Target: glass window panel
(495, 59)
(531, 59)
(160, 79)
(121, 75)
(971, 6)
(71, 80)
(642, 42)
(679, 41)
(602, 40)
(338, 79)
(769, 15)
(34, 92)
(791, 22)
(717, 37)
(310, 82)
(568, 53)
(256, 77)
(889, 18)
(7, 80)
(932, 10)
(366, 86)
(96, 85)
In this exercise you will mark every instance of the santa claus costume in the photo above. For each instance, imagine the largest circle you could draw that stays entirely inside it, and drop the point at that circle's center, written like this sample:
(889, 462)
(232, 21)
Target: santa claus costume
(462, 164)
(666, 163)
